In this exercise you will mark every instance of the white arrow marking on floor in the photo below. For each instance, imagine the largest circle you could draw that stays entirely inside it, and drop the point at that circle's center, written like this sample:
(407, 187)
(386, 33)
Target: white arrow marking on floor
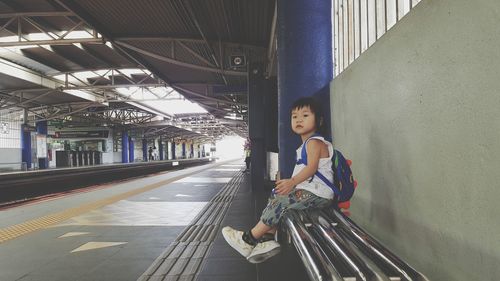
(96, 245)
(71, 234)
(183, 195)
(154, 198)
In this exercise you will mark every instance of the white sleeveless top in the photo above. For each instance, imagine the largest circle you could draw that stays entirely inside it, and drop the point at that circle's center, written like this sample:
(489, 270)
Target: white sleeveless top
(317, 186)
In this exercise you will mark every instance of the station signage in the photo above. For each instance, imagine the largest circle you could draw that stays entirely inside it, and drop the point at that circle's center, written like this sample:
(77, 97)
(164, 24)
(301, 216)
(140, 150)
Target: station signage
(80, 134)
(41, 146)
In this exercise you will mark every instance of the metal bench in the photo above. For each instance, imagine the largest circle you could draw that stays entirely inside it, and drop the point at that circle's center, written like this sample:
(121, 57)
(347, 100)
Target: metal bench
(333, 247)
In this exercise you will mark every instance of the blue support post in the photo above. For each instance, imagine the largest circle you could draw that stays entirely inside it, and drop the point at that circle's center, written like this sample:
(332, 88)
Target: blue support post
(166, 151)
(125, 147)
(192, 151)
(26, 145)
(160, 148)
(257, 89)
(131, 150)
(173, 150)
(305, 66)
(145, 150)
(184, 150)
(41, 129)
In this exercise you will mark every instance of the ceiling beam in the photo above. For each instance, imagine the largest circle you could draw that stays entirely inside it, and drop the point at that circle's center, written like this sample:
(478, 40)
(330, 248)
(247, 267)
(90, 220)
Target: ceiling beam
(180, 63)
(37, 14)
(52, 42)
(187, 39)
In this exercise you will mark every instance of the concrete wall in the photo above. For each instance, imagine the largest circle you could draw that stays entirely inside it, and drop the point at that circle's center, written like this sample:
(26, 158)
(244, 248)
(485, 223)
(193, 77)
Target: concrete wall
(10, 159)
(419, 114)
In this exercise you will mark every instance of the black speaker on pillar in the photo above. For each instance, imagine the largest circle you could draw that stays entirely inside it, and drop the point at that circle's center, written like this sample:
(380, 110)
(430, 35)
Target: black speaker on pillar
(237, 61)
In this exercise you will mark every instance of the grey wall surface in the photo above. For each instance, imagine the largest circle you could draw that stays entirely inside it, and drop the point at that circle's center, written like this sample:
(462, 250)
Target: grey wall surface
(419, 114)
(12, 156)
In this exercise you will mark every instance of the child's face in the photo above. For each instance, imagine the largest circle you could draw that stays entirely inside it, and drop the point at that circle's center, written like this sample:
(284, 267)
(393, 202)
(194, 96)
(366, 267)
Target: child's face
(303, 121)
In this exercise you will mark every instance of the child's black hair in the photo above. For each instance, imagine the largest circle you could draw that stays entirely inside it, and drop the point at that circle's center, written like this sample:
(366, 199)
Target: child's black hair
(315, 108)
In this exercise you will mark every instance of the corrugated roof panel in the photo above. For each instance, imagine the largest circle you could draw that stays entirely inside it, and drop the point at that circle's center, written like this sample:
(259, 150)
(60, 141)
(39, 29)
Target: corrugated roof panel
(10, 82)
(147, 17)
(32, 6)
(59, 23)
(199, 54)
(79, 56)
(238, 21)
(181, 74)
(108, 55)
(6, 8)
(51, 59)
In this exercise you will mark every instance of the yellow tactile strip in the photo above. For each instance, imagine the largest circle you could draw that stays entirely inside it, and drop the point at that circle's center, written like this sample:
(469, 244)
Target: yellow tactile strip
(17, 230)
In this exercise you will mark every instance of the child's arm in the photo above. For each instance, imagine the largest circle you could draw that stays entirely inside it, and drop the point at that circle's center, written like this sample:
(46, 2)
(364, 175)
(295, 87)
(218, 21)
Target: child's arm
(313, 149)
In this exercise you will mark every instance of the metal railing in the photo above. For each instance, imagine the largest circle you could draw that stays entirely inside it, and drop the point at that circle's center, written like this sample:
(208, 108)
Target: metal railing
(333, 247)
(357, 24)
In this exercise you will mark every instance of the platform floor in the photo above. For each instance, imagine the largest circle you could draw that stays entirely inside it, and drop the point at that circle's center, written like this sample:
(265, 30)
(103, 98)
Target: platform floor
(117, 231)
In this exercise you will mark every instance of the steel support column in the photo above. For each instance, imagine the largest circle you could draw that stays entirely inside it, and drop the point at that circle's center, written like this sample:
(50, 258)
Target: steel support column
(160, 148)
(26, 145)
(145, 150)
(257, 124)
(305, 65)
(173, 150)
(124, 147)
(130, 150)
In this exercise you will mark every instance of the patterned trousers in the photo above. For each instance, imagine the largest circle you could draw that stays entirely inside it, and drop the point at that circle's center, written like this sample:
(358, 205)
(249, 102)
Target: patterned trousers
(297, 199)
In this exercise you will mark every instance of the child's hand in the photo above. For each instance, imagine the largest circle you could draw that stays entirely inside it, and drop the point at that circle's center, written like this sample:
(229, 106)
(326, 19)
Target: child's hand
(284, 186)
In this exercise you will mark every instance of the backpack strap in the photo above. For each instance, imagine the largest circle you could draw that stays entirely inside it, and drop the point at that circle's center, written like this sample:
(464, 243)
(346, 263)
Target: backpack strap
(303, 160)
(303, 152)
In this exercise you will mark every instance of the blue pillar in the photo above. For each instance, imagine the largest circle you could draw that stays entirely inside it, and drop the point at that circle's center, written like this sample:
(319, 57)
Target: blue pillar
(160, 148)
(257, 89)
(166, 150)
(305, 66)
(192, 151)
(41, 129)
(173, 150)
(184, 150)
(125, 147)
(145, 150)
(130, 150)
(26, 145)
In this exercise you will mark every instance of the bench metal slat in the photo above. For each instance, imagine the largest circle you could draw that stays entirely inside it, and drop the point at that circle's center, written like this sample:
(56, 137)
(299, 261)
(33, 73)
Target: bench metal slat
(297, 231)
(375, 250)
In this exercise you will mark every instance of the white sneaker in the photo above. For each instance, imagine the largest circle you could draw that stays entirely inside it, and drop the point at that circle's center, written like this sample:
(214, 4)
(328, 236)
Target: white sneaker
(234, 239)
(264, 251)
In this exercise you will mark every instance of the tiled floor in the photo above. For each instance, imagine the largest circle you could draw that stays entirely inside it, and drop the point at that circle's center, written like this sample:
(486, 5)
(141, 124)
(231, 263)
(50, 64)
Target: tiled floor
(222, 263)
(136, 213)
(116, 242)
(121, 240)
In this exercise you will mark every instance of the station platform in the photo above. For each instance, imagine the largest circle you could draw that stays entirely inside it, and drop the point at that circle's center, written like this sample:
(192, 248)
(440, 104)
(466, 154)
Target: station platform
(18, 187)
(164, 226)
